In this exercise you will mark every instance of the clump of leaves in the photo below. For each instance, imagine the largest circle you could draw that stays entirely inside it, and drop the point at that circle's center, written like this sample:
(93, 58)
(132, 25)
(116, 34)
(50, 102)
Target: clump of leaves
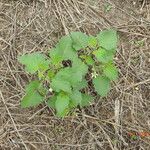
(61, 75)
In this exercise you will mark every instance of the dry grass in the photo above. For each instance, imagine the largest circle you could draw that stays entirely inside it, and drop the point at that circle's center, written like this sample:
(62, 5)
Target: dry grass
(36, 25)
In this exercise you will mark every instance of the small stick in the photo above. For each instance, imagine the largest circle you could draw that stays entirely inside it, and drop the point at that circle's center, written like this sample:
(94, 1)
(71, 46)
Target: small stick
(13, 121)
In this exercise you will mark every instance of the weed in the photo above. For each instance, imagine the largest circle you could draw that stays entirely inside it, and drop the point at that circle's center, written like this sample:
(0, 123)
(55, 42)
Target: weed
(107, 7)
(61, 75)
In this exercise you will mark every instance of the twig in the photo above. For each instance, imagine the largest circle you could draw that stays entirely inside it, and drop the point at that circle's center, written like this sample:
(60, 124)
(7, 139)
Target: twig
(139, 83)
(13, 121)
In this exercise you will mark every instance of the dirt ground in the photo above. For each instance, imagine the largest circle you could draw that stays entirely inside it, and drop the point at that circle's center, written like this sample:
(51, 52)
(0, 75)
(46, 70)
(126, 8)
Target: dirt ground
(121, 121)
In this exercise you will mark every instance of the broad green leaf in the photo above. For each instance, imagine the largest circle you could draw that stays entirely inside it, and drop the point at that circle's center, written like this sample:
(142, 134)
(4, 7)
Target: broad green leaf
(44, 65)
(32, 61)
(32, 86)
(32, 97)
(74, 77)
(76, 97)
(103, 55)
(79, 69)
(108, 39)
(66, 74)
(92, 41)
(64, 113)
(51, 102)
(55, 55)
(73, 74)
(111, 71)
(80, 40)
(86, 99)
(60, 85)
(101, 85)
(61, 104)
(62, 51)
(65, 48)
(80, 85)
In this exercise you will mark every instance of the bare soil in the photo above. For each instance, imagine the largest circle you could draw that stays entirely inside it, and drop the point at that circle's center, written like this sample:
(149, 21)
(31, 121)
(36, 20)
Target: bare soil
(121, 121)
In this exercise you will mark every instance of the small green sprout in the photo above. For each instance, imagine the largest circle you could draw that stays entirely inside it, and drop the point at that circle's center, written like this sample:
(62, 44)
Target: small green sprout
(107, 7)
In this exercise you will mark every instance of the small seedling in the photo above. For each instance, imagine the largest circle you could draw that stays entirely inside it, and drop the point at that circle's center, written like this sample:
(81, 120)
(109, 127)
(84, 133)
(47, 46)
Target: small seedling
(139, 43)
(61, 81)
(107, 7)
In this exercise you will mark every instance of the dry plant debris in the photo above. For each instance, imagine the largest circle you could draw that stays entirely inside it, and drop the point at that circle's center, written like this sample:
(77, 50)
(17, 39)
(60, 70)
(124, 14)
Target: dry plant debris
(115, 122)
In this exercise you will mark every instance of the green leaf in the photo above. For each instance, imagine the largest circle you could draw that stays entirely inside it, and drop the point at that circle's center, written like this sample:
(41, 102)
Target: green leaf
(80, 85)
(51, 102)
(62, 51)
(92, 41)
(61, 104)
(108, 39)
(32, 61)
(88, 59)
(66, 74)
(56, 56)
(40, 75)
(65, 48)
(79, 69)
(76, 97)
(32, 86)
(42, 90)
(80, 40)
(32, 97)
(103, 55)
(58, 85)
(50, 74)
(43, 66)
(73, 74)
(101, 85)
(86, 99)
(111, 71)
